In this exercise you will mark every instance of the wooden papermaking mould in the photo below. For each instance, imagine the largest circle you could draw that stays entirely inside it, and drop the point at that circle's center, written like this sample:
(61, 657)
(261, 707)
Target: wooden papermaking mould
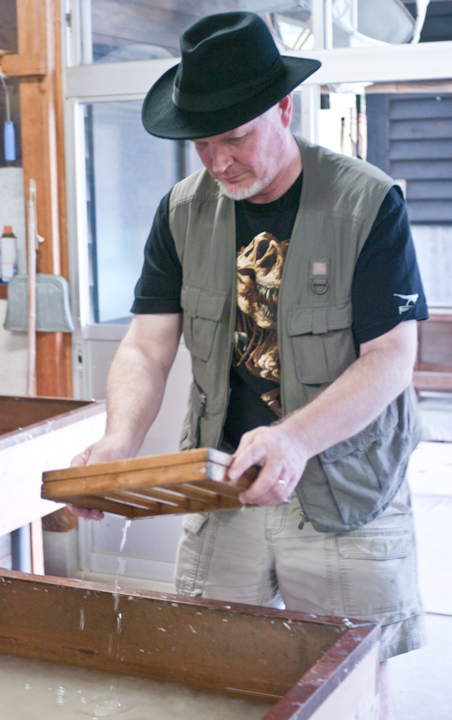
(183, 482)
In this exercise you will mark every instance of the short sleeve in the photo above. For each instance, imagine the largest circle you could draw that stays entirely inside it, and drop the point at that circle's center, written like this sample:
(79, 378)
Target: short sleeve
(387, 287)
(159, 287)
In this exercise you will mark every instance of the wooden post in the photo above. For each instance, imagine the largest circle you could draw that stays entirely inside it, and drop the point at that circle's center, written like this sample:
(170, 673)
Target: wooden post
(41, 106)
(36, 547)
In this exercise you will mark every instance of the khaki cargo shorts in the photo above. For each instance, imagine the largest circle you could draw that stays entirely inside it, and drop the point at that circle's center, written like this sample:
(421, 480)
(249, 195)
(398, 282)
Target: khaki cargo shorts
(266, 556)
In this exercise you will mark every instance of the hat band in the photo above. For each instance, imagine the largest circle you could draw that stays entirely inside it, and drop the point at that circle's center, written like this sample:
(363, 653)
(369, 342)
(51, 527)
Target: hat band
(208, 102)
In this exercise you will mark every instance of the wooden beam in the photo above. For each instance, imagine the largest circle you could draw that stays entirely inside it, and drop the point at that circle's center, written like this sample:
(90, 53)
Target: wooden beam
(22, 65)
(41, 105)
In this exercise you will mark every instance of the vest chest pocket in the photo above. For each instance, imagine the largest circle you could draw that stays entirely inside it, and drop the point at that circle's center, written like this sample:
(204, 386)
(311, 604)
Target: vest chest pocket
(202, 312)
(322, 342)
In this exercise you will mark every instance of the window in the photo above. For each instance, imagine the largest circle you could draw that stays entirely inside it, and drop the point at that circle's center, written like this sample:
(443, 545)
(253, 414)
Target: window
(127, 173)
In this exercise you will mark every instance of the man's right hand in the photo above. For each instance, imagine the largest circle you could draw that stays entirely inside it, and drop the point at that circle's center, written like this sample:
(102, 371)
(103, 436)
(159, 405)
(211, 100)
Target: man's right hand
(105, 450)
(109, 448)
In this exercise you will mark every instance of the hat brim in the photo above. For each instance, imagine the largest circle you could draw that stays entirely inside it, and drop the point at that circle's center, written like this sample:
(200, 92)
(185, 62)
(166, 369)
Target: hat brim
(162, 118)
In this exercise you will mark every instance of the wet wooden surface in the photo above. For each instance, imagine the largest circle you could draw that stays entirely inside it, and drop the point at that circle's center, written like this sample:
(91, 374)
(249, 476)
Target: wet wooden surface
(17, 413)
(298, 660)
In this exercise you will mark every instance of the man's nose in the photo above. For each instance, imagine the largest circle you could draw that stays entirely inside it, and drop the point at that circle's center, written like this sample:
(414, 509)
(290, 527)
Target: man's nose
(221, 159)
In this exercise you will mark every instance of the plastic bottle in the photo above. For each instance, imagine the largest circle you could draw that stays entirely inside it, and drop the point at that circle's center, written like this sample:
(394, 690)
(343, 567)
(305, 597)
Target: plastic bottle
(8, 243)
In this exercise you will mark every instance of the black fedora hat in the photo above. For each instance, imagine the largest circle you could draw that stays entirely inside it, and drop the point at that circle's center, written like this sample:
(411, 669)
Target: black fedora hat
(230, 72)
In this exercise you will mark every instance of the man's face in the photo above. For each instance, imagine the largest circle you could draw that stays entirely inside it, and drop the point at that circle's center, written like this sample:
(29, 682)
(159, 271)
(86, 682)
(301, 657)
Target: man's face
(247, 160)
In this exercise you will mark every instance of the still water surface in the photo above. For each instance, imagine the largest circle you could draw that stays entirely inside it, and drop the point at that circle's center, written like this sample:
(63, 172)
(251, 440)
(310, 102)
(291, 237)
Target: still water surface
(36, 690)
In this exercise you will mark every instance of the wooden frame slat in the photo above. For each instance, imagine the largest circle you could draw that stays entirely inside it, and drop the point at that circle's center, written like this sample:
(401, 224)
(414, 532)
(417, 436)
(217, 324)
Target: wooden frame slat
(140, 463)
(191, 481)
(96, 502)
(126, 480)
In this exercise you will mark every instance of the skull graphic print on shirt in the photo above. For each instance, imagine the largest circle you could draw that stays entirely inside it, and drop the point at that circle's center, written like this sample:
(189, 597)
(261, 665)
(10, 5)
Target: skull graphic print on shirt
(259, 271)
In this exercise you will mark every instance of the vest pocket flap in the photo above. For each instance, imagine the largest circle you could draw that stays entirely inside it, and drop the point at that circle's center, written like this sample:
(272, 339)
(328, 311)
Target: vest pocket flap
(211, 304)
(322, 341)
(319, 320)
(202, 312)
(202, 303)
(376, 547)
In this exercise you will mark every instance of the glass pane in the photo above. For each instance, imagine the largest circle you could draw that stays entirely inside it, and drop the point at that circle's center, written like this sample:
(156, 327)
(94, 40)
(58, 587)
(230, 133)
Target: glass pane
(291, 23)
(139, 30)
(128, 172)
(358, 23)
(114, 30)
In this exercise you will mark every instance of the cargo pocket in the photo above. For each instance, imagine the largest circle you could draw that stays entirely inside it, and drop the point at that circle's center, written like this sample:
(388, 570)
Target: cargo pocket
(378, 574)
(322, 342)
(202, 311)
(193, 555)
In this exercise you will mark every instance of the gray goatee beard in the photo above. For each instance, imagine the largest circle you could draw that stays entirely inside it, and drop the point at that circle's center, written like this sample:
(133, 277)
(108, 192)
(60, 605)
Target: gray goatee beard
(245, 192)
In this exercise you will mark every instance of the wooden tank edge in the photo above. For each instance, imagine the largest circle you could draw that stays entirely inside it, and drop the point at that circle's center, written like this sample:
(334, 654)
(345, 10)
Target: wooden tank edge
(16, 437)
(354, 642)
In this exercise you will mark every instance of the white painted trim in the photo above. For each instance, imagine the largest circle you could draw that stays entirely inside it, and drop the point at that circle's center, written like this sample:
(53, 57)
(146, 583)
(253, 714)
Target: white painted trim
(310, 106)
(318, 27)
(425, 61)
(389, 63)
(127, 79)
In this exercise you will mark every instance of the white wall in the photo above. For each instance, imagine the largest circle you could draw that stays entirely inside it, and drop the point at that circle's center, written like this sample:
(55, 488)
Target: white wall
(434, 253)
(12, 209)
(13, 358)
(13, 346)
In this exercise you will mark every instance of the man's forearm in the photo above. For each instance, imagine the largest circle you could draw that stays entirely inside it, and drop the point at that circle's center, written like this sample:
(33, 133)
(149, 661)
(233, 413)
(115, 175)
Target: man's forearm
(135, 391)
(137, 378)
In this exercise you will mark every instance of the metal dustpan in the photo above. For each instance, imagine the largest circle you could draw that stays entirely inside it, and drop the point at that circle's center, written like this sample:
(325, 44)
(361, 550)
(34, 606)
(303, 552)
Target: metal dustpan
(53, 312)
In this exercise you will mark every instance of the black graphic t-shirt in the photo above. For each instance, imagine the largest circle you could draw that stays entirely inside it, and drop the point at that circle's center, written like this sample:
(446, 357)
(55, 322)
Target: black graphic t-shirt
(262, 240)
(386, 275)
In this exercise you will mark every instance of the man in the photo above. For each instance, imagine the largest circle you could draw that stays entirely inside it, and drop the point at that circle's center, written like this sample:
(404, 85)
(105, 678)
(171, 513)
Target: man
(291, 271)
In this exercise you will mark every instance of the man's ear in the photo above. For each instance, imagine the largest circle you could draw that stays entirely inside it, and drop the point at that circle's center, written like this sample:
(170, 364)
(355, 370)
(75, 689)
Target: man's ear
(285, 107)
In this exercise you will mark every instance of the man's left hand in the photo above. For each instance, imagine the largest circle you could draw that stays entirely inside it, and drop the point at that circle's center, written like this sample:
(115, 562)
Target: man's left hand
(281, 457)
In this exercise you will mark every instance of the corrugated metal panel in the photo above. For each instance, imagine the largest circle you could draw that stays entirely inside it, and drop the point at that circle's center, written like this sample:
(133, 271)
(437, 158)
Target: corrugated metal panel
(420, 129)
(431, 190)
(421, 150)
(429, 211)
(420, 169)
(410, 137)
(421, 107)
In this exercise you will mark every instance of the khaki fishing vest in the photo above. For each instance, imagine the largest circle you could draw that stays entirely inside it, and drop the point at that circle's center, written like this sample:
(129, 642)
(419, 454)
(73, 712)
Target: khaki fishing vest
(353, 481)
